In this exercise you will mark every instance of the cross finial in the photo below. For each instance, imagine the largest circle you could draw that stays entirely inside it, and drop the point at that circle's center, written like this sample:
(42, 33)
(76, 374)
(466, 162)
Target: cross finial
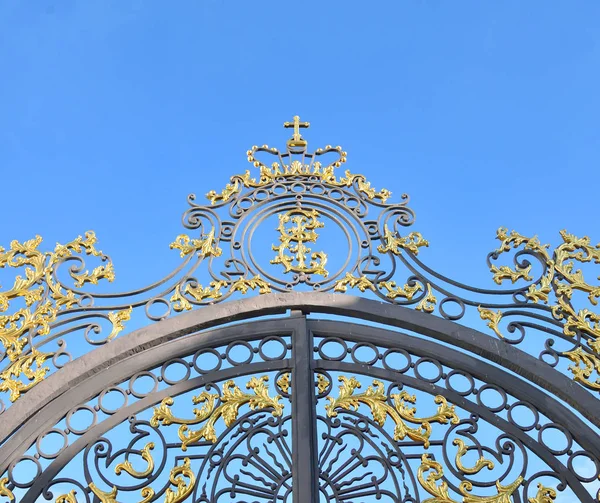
(296, 141)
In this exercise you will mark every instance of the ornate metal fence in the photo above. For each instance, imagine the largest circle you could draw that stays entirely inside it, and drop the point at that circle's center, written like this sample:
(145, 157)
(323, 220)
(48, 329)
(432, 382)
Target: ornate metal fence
(387, 398)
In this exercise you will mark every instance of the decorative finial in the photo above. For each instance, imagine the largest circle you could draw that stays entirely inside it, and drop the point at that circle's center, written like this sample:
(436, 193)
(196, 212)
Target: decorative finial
(296, 142)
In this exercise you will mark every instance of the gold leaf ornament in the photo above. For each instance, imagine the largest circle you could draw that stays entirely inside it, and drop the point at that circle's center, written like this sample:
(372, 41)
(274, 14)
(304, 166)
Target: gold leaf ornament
(231, 399)
(401, 413)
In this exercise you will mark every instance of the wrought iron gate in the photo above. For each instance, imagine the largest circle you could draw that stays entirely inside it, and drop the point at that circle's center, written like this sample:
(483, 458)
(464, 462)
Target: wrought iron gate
(324, 396)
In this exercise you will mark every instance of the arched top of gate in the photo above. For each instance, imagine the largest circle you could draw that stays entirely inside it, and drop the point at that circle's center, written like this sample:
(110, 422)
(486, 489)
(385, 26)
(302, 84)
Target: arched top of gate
(295, 222)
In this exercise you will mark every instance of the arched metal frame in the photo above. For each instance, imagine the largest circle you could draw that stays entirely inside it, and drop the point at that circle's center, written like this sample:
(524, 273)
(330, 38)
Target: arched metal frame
(185, 334)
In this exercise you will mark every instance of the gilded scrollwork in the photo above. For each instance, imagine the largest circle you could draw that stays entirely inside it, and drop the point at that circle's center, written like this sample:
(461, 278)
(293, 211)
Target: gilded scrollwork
(146, 455)
(479, 464)
(284, 382)
(205, 247)
(5, 491)
(44, 299)
(401, 412)
(231, 399)
(350, 281)
(562, 278)
(544, 495)
(430, 472)
(395, 244)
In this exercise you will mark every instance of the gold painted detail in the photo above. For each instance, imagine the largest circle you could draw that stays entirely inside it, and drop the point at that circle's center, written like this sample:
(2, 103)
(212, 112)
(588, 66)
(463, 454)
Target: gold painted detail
(349, 280)
(207, 247)
(181, 477)
(146, 455)
(322, 383)
(401, 412)
(184, 487)
(544, 495)
(22, 368)
(296, 141)
(479, 464)
(493, 319)
(429, 301)
(67, 498)
(395, 244)
(44, 298)
(315, 170)
(231, 399)
(214, 291)
(440, 493)
(103, 496)
(562, 278)
(294, 239)
(393, 291)
(284, 382)
(5, 491)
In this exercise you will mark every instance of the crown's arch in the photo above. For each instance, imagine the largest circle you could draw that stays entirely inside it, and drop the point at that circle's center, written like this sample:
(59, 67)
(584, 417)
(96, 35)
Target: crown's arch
(295, 389)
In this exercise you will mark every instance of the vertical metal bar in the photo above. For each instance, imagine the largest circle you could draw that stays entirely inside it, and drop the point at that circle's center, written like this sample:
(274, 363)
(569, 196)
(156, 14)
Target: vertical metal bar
(305, 476)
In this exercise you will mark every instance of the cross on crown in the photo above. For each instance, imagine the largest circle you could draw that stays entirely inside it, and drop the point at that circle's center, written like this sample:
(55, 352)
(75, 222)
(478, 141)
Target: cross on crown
(296, 143)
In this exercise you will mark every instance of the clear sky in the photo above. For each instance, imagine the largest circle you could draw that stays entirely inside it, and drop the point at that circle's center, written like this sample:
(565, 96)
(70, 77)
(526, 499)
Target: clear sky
(486, 113)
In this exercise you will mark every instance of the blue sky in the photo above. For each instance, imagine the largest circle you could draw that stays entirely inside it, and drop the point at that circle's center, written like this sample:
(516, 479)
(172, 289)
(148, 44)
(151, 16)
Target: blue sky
(486, 113)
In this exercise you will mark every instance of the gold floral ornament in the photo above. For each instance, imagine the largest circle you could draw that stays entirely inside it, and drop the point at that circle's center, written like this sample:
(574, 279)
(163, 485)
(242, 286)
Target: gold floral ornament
(207, 247)
(401, 412)
(440, 491)
(181, 477)
(127, 467)
(544, 495)
(315, 170)
(294, 239)
(5, 491)
(562, 278)
(214, 291)
(231, 399)
(44, 298)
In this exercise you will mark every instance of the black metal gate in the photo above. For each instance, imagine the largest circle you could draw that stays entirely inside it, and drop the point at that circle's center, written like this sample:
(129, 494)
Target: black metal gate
(324, 396)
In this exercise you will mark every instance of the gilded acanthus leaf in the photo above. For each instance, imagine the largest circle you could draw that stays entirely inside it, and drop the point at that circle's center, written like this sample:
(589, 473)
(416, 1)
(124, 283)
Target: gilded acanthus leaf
(493, 319)
(103, 496)
(118, 319)
(395, 244)
(585, 365)
(243, 284)
(146, 455)
(5, 491)
(505, 272)
(184, 487)
(544, 495)
(440, 492)
(479, 464)
(562, 278)
(179, 302)
(199, 292)
(21, 367)
(394, 291)
(428, 303)
(349, 280)
(231, 399)
(44, 298)
(101, 272)
(322, 383)
(206, 247)
(284, 382)
(70, 497)
(401, 413)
